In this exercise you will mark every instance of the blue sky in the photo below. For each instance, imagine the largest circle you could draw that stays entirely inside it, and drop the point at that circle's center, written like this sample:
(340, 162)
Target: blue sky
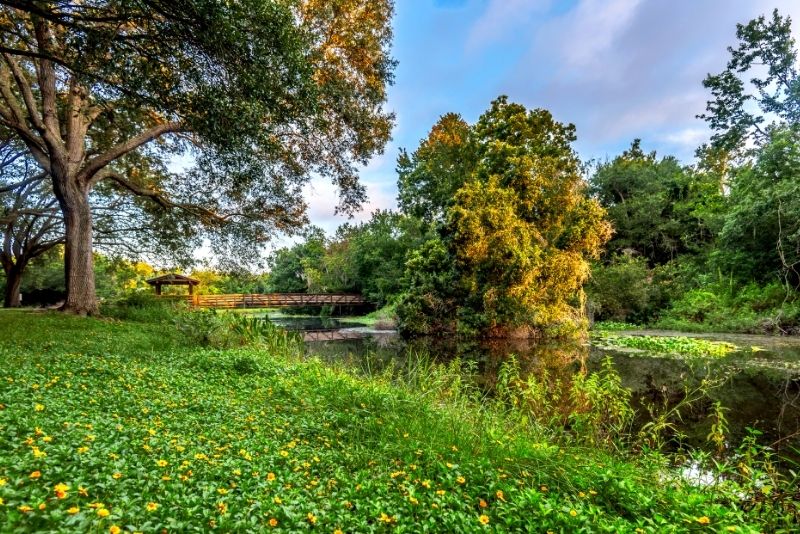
(617, 69)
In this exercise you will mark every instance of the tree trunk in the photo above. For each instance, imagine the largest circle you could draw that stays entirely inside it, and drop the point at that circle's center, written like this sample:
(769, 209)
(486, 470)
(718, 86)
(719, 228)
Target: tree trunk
(13, 283)
(78, 252)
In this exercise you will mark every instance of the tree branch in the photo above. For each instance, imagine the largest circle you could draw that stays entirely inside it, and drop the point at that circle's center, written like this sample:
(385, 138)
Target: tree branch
(96, 164)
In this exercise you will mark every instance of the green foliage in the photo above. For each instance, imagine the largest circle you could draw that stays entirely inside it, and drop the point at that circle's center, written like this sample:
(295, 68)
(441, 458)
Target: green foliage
(725, 305)
(368, 258)
(766, 61)
(432, 289)
(680, 345)
(658, 208)
(290, 438)
(429, 178)
(623, 290)
(762, 227)
(287, 265)
(144, 307)
(613, 326)
(514, 247)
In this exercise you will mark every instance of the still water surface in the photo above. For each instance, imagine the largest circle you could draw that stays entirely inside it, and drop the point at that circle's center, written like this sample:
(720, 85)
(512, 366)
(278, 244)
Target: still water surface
(759, 384)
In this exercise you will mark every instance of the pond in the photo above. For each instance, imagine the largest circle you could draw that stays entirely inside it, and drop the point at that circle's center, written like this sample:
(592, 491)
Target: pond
(758, 385)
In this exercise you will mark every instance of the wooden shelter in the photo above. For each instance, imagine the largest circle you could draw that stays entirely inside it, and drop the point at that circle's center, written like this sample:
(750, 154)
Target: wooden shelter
(173, 279)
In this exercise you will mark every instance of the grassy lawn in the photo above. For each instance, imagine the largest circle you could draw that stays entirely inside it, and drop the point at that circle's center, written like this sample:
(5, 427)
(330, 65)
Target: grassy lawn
(112, 426)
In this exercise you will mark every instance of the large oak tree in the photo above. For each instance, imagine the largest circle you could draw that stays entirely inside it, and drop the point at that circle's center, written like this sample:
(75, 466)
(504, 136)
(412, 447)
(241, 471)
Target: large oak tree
(263, 94)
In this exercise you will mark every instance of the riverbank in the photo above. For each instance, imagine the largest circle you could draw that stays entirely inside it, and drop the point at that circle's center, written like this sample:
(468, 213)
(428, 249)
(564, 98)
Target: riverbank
(129, 424)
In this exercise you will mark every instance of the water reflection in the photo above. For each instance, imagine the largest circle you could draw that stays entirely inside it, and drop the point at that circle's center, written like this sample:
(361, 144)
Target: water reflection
(759, 390)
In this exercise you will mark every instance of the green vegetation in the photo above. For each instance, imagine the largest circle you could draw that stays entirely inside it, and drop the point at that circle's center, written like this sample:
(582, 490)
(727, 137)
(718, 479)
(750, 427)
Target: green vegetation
(132, 425)
(680, 345)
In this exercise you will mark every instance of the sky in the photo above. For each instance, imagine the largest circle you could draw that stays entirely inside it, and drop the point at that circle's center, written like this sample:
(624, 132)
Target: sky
(617, 69)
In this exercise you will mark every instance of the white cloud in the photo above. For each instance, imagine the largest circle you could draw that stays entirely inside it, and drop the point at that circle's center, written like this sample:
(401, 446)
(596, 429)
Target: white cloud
(591, 29)
(500, 18)
(687, 138)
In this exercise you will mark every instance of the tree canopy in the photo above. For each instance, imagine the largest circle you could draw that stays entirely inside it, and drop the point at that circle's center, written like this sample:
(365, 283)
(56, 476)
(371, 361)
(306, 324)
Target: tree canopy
(519, 232)
(262, 93)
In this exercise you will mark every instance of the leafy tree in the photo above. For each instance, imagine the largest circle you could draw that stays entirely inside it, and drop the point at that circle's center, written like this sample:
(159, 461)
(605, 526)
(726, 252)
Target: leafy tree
(520, 231)
(658, 208)
(761, 235)
(430, 176)
(740, 109)
(622, 290)
(288, 265)
(29, 217)
(262, 92)
(376, 251)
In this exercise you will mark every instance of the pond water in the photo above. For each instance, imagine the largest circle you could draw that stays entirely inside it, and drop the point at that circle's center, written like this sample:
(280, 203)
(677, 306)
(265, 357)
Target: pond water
(758, 385)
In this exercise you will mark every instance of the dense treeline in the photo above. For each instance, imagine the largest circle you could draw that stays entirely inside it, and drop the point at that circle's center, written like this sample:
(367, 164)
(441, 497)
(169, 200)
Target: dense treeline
(495, 226)
(500, 226)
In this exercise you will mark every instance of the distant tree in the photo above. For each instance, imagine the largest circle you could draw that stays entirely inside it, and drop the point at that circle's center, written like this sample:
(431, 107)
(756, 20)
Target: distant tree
(378, 249)
(745, 109)
(262, 93)
(29, 217)
(658, 208)
(289, 266)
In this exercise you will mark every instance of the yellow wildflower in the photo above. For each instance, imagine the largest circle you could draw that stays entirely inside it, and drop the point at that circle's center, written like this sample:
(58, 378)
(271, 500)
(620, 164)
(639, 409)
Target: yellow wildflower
(277, 500)
(461, 480)
(482, 503)
(42, 506)
(386, 518)
(573, 513)
(102, 512)
(73, 510)
(273, 522)
(704, 520)
(83, 492)
(114, 529)
(116, 476)
(162, 463)
(151, 506)
(60, 490)
(222, 507)
(270, 476)
(500, 495)
(35, 475)
(24, 508)
(38, 407)
(484, 519)
(311, 518)
(222, 491)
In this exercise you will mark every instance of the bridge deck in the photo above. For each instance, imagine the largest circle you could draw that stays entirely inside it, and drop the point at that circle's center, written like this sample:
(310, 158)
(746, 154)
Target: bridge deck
(273, 300)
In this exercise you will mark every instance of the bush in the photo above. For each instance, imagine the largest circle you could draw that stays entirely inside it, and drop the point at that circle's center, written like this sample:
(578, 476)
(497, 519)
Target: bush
(144, 307)
(623, 291)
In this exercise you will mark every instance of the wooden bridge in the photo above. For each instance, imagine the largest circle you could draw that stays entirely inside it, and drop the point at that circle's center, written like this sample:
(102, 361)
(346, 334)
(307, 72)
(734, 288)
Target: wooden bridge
(272, 300)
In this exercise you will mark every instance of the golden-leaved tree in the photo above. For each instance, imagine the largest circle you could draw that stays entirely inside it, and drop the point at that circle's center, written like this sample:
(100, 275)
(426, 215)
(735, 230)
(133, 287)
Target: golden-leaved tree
(519, 233)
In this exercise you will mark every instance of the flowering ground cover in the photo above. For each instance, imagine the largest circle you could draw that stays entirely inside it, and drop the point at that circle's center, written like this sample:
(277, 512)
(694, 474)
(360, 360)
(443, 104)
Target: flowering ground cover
(112, 426)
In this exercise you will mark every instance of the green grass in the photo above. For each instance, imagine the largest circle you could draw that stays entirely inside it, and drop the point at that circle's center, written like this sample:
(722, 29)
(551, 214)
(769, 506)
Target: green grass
(109, 424)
